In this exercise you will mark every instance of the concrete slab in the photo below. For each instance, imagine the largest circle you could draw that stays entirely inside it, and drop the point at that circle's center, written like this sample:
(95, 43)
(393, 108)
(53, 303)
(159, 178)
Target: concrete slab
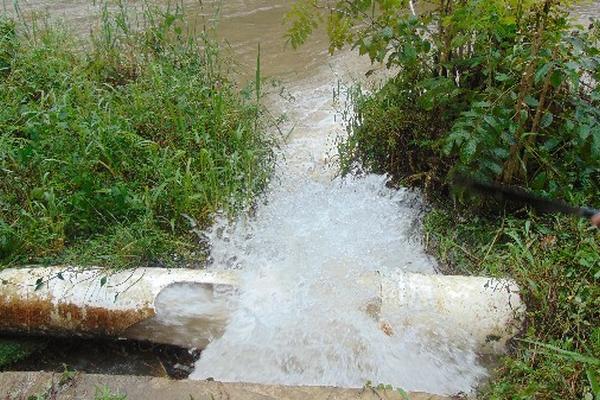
(23, 385)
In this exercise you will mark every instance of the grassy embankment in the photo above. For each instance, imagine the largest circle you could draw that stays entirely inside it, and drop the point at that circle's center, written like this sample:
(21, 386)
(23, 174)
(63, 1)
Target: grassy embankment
(503, 91)
(116, 149)
(104, 152)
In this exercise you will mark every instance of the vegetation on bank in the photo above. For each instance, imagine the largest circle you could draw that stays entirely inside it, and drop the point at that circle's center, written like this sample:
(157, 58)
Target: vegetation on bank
(556, 263)
(114, 148)
(501, 90)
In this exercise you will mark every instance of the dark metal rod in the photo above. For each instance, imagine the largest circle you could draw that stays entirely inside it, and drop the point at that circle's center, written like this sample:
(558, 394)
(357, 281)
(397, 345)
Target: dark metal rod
(517, 194)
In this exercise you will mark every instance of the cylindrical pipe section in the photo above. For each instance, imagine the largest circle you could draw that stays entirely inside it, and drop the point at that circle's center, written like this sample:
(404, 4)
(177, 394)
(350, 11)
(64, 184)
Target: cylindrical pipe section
(173, 306)
(478, 312)
(192, 307)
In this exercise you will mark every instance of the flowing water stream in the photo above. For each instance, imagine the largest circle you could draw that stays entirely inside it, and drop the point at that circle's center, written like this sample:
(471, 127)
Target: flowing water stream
(303, 316)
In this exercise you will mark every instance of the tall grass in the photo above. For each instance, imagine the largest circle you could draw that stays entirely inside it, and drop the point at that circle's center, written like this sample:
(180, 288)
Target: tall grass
(108, 148)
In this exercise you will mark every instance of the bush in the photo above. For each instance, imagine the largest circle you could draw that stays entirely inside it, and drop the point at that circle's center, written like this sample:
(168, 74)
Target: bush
(109, 150)
(389, 134)
(501, 90)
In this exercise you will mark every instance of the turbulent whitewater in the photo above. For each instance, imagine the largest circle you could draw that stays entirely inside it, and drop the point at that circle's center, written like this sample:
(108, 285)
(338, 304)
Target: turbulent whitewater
(303, 317)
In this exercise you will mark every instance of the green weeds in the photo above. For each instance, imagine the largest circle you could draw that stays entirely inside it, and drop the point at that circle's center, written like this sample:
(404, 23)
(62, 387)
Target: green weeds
(556, 263)
(108, 153)
(105, 393)
(13, 350)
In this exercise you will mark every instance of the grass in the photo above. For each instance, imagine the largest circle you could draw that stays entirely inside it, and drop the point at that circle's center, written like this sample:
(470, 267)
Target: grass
(116, 150)
(12, 350)
(556, 262)
(105, 393)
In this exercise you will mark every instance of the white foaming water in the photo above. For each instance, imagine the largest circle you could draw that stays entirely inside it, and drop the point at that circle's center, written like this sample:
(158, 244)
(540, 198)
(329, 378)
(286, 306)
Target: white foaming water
(304, 315)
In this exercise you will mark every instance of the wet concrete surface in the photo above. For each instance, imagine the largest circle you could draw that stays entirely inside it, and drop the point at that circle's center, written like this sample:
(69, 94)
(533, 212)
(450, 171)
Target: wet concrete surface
(23, 385)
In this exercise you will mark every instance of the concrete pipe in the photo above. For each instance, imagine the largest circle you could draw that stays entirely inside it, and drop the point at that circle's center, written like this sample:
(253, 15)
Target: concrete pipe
(173, 306)
(189, 308)
(481, 312)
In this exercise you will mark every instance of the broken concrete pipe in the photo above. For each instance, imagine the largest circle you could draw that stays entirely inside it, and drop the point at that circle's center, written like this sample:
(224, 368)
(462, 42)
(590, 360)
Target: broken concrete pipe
(189, 308)
(481, 312)
(182, 307)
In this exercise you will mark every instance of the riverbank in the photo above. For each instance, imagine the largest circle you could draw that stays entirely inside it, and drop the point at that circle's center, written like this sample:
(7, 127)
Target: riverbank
(555, 261)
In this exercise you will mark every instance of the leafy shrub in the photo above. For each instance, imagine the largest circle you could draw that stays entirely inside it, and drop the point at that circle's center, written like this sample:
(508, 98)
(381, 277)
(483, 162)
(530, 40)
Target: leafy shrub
(503, 90)
(388, 134)
(123, 139)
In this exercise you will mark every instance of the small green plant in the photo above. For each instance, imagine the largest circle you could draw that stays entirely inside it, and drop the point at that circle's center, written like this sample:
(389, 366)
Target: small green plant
(105, 393)
(67, 375)
(13, 350)
(385, 388)
(43, 396)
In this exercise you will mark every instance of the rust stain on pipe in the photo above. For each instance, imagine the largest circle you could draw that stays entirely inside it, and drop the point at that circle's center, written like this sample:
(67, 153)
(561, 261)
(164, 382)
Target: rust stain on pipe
(36, 316)
(187, 308)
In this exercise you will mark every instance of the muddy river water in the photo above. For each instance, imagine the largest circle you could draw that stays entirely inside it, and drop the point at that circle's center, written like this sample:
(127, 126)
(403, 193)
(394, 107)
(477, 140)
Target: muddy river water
(300, 317)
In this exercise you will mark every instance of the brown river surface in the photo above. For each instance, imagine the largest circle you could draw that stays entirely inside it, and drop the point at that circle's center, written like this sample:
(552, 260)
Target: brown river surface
(242, 25)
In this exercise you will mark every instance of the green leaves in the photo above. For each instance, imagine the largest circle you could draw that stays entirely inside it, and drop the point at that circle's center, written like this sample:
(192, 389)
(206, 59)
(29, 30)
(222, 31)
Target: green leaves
(546, 120)
(571, 355)
(339, 31)
(303, 18)
(543, 71)
(471, 66)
